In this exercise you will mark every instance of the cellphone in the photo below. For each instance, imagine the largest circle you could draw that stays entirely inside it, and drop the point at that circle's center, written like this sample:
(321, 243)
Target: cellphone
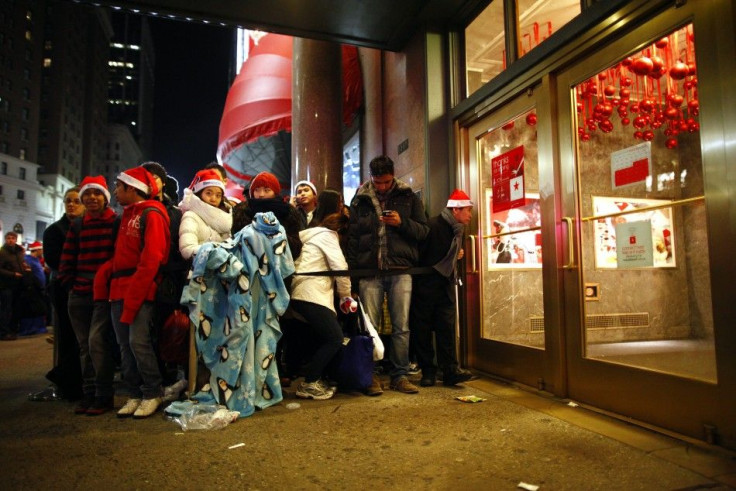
(386, 212)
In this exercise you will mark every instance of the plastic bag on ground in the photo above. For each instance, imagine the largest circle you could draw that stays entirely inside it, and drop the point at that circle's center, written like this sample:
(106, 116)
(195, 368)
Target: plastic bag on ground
(204, 417)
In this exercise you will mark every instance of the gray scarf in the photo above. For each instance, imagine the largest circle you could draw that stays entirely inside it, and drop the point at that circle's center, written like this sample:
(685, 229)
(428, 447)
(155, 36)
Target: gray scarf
(447, 266)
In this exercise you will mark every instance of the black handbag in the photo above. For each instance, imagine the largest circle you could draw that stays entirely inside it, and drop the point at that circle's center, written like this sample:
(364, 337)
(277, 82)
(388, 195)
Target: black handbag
(355, 369)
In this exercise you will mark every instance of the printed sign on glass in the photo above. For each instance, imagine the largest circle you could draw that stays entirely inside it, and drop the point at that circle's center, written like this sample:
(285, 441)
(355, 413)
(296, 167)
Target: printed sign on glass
(507, 177)
(631, 165)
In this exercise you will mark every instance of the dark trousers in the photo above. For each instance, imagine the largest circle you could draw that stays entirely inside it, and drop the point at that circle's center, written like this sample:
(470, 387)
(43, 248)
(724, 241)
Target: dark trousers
(433, 311)
(325, 331)
(8, 319)
(67, 371)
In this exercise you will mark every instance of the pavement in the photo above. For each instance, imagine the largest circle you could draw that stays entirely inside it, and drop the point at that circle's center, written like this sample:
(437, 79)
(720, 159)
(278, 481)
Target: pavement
(513, 439)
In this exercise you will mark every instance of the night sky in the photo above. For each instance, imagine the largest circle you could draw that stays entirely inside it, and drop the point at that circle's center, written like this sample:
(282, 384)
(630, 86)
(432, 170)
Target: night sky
(192, 80)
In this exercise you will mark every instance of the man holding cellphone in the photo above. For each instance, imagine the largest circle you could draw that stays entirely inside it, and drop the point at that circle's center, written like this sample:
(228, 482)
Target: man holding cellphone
(387, 222)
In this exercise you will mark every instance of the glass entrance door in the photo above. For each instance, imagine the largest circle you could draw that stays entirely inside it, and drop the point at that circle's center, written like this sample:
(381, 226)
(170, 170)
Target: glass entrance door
(505, 155)
(639, 308)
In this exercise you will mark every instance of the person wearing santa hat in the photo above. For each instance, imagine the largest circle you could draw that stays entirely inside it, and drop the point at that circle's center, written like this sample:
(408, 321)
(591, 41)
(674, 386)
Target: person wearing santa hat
(207, 215)
(141, 248)
(32, 301)
(433, 294)
(89, 244)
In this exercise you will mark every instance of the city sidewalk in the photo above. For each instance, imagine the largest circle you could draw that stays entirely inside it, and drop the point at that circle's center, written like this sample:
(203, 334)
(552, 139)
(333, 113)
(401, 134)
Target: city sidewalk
(425, 441)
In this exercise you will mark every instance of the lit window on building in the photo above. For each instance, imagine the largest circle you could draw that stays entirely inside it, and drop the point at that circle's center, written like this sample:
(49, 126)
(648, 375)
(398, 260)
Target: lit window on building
(46, 62)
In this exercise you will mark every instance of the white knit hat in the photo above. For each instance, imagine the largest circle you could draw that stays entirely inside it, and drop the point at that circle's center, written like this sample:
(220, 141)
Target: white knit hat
(306, 183)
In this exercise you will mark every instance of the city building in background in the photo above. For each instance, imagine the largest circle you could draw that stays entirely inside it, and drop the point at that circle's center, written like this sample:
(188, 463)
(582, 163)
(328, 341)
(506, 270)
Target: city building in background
(131, 77)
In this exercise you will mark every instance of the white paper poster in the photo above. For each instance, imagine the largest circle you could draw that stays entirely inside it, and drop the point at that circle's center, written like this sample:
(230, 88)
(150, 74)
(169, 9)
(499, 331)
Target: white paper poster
(634, 244)
(631, 165)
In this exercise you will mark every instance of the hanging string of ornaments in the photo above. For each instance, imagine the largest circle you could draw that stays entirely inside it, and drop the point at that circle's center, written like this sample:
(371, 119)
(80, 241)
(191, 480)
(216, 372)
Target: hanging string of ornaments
(654, 90)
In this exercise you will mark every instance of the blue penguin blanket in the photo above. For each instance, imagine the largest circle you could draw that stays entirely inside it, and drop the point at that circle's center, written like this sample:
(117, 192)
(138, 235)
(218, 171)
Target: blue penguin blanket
(235, 296)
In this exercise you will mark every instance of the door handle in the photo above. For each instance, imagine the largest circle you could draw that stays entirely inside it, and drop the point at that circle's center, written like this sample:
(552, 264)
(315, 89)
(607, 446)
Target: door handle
(570, 249)
(473, 259)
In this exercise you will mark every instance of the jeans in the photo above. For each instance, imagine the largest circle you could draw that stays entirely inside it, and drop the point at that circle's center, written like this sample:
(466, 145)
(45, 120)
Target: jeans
(398, 290)
(92, 323)
(325, 331)
(138, 358)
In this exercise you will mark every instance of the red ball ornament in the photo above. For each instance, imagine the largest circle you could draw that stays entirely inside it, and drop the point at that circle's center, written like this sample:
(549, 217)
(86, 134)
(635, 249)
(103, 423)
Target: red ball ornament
(637, 135)
(679, 71)
(671, 113)
(642, 66)
(626, 81)
(671, 143)
(624, 93)
(688, 84)
(646, 105)
(579, 105)
(625, 121)
(648, 135)
(609, 90)
(602, 76)
(657, 63)
(531, 119)
(627, 61)
(508, 126)
(606, 126)
(692, 128)
(662, 43)
(585, 137)
(693, 104)
(640, 122)
(683, 126)
(675, 100)
(615, 101)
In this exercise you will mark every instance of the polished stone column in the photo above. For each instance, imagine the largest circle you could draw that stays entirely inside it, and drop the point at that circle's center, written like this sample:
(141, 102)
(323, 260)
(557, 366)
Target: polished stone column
(316, 138)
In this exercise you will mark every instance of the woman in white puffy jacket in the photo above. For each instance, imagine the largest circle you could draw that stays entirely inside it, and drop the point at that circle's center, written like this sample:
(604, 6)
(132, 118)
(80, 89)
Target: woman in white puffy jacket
(313, 298)
(207, 216)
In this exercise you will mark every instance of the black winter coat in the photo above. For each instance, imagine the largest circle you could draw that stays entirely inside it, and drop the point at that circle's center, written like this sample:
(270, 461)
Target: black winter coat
(402, 242)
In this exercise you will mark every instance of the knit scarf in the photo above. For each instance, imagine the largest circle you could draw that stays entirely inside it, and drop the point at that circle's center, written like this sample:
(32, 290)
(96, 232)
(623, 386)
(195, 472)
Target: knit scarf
(447, 266)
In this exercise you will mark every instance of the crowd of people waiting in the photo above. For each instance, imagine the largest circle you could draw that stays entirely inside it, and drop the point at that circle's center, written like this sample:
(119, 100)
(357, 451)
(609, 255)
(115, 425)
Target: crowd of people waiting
(252, 277)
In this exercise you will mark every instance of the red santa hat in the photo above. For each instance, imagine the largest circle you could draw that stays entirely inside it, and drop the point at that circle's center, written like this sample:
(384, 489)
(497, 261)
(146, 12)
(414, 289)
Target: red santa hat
(458, 199)
(265, 180)
(35, 246)
(206, 178)
(95, 182)
(141, 179)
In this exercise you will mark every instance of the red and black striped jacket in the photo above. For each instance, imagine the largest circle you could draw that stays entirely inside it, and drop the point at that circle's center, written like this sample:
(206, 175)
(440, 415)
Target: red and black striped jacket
(86, 248)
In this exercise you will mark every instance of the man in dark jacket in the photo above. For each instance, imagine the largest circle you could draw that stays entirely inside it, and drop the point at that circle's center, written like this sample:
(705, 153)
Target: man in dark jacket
(66, 373)
(12, 266)
(387, 222)
(433, 295)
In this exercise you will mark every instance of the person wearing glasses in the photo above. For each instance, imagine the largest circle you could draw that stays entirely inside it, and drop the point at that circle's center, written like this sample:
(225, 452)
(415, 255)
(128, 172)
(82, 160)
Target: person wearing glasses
(66, 374)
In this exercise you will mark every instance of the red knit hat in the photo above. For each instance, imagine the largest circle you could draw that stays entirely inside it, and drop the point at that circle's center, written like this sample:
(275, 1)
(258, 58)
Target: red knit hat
(206, 178)
(35, 246)
(95, 182)
(265, 180)
(141, 179)
(458, 199)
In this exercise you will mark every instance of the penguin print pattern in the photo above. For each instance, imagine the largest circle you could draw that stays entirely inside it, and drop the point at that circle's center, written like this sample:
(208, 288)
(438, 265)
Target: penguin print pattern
(235, 297)
(205, 326)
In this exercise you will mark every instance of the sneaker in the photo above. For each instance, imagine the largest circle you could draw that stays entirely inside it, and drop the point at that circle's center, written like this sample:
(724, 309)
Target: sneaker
(147, 408)
(413, 369)
(375, 389)
(101, 406)
(402, 384)
(130, 407)
(313, 390)
(84, 404)
(50, 393)
(455, 377)
(173, 392)
(327, 386)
